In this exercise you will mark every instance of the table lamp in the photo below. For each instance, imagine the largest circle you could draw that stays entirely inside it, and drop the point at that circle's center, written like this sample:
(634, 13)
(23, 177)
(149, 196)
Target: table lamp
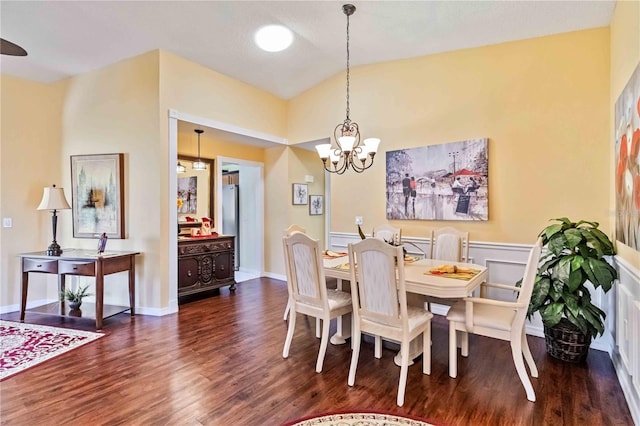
(53, 199)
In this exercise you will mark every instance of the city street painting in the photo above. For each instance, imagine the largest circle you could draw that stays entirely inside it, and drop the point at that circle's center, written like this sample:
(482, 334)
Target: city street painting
(188, 193)
(439, 182)
(97, 195)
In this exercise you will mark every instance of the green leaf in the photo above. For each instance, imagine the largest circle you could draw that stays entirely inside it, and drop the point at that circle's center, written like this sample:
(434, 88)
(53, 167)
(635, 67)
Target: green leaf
(557, 244)
(551, 314)
(603, 273)
(576, 279)
(563, 269)
(607, 245)
(573, 237)
(539, 294)
(551, 230)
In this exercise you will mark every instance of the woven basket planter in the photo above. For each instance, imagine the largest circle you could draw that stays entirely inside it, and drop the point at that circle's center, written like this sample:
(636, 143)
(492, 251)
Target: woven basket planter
(566, 342)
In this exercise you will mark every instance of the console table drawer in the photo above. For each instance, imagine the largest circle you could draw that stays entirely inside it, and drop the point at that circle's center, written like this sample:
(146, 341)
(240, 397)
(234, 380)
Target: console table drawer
(39, 265)
(87, 269)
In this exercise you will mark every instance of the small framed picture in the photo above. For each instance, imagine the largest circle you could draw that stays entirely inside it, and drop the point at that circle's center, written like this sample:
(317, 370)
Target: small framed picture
(300, 194)
(316, 205)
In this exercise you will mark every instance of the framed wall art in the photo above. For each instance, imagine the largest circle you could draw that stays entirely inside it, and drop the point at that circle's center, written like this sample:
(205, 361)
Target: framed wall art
(97, 195)
(439, 182)
(300, 194)
(627, 143)
(316, 205)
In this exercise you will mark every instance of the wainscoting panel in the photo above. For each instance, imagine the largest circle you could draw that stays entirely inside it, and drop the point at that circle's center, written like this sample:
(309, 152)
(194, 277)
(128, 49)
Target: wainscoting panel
(626, 353)
(624, 323)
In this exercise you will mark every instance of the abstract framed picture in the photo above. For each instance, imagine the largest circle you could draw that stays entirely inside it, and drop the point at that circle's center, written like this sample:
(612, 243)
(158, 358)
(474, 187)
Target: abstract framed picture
(439, 182)
(300, 194)
(97, 195)
(627, 148)
(316, 205)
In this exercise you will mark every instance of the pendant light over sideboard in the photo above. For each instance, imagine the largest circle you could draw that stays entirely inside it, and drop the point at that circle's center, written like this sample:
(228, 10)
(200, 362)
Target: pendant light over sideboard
(199, 164)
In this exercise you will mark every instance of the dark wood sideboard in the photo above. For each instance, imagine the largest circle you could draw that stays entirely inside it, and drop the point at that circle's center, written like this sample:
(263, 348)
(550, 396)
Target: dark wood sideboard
(205, 263)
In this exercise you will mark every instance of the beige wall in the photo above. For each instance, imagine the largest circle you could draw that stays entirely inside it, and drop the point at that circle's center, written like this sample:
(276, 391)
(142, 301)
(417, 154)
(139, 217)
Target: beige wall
(30, 159)
(625, 57)
(541, 102)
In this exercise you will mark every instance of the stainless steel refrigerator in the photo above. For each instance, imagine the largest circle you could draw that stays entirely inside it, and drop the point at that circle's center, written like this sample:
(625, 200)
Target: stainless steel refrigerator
(231, 217)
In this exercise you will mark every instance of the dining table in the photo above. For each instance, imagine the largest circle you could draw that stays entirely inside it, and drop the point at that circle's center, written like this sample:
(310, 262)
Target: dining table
(420, 281)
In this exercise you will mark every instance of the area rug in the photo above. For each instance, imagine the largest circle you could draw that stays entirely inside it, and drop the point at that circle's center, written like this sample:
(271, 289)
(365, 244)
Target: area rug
(359, 419)
(25, 345)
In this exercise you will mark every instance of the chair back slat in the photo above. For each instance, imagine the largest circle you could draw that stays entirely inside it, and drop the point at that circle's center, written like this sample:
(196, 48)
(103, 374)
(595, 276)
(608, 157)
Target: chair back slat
(379, 297)
(450, 244)
(305, 276)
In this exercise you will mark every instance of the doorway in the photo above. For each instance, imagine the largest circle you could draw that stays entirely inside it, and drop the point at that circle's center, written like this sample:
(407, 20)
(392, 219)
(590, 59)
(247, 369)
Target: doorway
(245, 180)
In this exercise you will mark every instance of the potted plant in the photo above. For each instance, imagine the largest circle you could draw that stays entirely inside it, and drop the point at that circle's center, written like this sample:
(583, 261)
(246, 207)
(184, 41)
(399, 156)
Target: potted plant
(74, 297)
(575, 254)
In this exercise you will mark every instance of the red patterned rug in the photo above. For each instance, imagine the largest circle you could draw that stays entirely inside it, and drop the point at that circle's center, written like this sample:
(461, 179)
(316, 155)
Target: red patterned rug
(359, 419)
(25, 345)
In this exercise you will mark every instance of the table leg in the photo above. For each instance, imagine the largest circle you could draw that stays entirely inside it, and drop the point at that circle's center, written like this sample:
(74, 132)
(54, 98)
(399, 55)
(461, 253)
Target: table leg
(132, 284)
(343, 325)
(23, 298)
(99, 293)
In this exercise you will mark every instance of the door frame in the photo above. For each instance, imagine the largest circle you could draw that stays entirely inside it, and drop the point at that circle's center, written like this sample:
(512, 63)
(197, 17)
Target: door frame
(174, 117)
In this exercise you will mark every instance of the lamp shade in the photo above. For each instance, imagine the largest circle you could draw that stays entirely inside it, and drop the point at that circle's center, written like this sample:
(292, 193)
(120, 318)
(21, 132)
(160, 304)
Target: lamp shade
(53, 199)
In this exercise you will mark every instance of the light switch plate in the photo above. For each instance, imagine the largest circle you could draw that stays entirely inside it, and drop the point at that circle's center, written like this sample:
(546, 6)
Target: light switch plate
(7, 222)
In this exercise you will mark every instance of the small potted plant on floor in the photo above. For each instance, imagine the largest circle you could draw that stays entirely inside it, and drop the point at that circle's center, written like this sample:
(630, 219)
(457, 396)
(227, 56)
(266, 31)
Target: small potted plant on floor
(575, 254)
(75, 297)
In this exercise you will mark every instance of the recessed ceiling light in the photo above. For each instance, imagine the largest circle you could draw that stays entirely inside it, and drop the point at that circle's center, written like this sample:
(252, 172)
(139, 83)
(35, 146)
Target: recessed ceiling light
(273, 38)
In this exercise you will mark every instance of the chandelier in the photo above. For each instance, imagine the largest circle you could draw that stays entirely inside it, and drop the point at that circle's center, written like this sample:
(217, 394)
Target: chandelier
(348, 152)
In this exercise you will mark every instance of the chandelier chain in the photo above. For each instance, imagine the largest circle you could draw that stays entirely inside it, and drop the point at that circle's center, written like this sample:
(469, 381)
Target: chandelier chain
(348, 67)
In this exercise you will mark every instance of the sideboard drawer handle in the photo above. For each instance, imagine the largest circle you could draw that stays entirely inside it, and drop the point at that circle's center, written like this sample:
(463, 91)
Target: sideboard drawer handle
(38, 266)
(75, 268)
(188, 273)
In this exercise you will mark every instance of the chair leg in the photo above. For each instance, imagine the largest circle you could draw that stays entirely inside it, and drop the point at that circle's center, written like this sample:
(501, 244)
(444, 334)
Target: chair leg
(287, 342)
(354, 356)
(516, 352)
(464, 343)
(323, 344)
(404, 369)
(378, 347)
(453, 351)
(286, 310)
(318, 328)
(426, 350)
(527, 356)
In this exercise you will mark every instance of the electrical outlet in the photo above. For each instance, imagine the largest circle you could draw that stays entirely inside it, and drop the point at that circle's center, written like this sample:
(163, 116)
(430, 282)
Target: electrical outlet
(358, 220)
(7, 222)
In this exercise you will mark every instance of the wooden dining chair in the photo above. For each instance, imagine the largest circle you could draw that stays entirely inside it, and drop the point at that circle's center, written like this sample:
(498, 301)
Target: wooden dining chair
(308, 293)
(388, 233)
(287, 232)
(500, 320)
(449, 244)
(380, 306)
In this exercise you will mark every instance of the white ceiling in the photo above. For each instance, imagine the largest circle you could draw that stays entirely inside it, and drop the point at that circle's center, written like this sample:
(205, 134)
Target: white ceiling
(72, 37)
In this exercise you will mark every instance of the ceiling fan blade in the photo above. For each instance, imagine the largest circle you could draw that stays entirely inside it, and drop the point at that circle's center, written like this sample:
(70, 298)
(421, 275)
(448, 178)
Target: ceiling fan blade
(8, 48)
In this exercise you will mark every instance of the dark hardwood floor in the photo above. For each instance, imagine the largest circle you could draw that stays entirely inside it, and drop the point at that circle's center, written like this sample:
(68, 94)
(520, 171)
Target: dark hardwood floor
(219, 362)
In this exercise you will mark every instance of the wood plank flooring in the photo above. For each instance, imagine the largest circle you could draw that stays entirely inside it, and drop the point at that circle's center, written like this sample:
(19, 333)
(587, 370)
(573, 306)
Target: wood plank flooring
(219, 362)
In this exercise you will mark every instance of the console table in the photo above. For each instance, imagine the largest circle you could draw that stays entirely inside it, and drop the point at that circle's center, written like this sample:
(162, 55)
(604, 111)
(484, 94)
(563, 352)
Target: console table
(85, 263)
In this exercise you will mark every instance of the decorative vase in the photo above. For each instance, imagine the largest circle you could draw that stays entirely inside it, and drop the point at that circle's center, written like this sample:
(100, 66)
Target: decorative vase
(74, 306)
(566, 342)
